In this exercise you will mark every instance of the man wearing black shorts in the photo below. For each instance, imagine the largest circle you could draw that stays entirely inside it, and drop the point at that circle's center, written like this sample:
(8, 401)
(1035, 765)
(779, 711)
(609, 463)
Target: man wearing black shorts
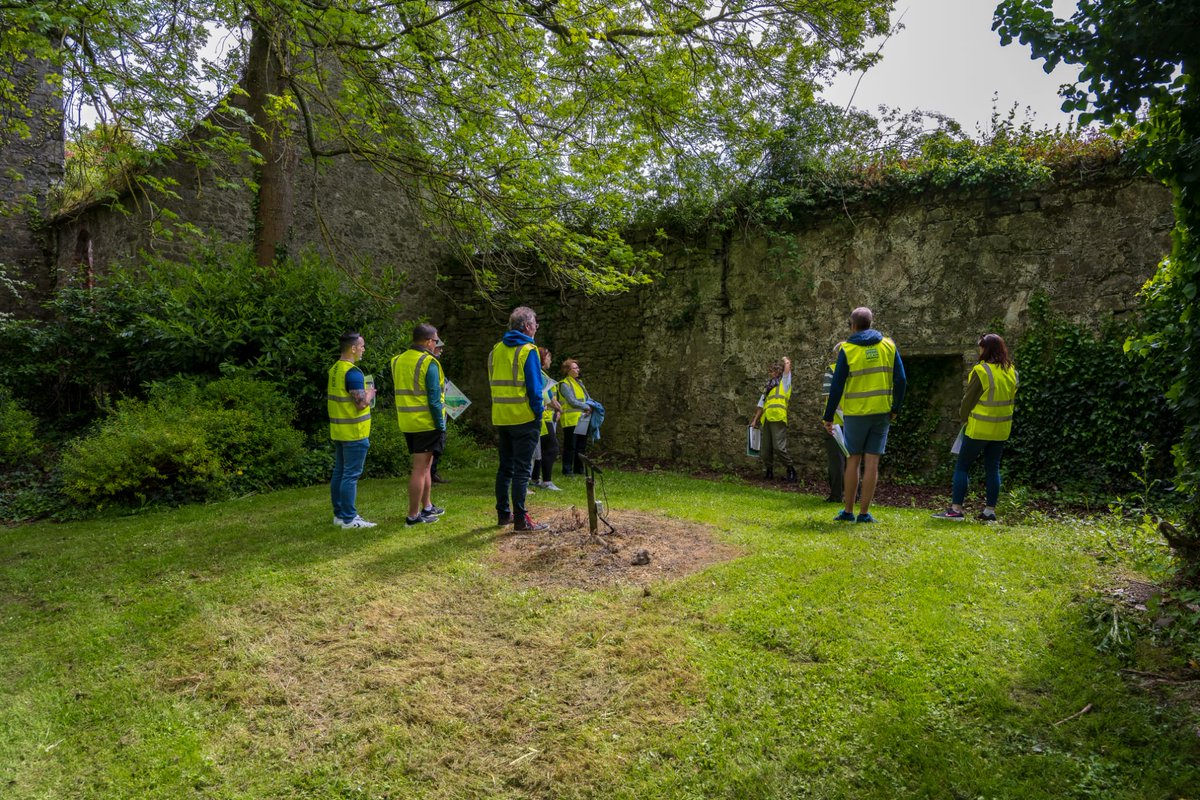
(420, 409)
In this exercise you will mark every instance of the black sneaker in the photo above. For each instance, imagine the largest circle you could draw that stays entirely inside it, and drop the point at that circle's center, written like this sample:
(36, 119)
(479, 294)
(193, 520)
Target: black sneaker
(504, 518)
(420, 519)
(949, 513)
(987, 515)
(433, 511)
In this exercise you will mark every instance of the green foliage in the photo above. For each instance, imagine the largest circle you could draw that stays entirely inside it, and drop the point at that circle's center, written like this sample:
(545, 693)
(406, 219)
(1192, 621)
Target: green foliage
(909, 454)
(389, 456)
(218, 315)
(1139, 64)
(18, 432)
(190, 442)
(1084, 411)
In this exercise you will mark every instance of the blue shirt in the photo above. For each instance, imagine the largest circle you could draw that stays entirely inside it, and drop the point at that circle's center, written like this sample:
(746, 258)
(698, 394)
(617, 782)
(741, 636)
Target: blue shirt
(433, 393)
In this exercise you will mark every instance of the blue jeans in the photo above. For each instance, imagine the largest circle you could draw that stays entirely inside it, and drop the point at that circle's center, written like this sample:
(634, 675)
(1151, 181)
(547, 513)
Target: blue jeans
(971, 448)
(517, 443)
(348, 460)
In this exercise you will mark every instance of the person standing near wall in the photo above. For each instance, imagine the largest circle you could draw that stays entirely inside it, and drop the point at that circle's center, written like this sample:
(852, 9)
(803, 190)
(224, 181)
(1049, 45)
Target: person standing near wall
(869, 383)
(543, 464)
(986, 413)
(772, 409)
(574, 397)
(348, 404)
(835, 458)
(434, 475)
(515, 381)
(420, 409)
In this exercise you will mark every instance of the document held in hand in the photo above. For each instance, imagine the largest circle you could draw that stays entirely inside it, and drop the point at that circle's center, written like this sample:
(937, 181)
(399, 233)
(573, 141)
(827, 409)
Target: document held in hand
(456, 401)
(956, 448)
(753, 441)
(839, 436)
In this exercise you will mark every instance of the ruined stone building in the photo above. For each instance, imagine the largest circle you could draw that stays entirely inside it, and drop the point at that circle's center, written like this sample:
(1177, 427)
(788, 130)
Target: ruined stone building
(679, 364)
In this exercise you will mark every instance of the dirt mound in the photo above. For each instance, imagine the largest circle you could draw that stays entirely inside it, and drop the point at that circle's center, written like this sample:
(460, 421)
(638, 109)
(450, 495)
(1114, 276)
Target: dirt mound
(639, 548)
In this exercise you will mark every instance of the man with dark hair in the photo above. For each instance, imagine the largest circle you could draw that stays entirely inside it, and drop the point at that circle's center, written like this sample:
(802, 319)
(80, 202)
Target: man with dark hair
(772, 411)
(515, 381)
(348, 402)
(868, 382)
(420, 410)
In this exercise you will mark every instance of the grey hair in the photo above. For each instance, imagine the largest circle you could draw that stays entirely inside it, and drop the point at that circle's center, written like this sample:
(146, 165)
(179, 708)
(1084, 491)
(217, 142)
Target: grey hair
(520, 317)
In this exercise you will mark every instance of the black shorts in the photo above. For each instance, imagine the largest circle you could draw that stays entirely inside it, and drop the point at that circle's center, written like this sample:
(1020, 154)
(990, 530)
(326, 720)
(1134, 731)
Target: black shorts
(426, 442)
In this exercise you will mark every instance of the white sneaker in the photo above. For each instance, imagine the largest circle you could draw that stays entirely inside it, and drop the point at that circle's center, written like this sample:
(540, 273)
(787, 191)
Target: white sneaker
(358, 522)
(550, 485)
(337, 520)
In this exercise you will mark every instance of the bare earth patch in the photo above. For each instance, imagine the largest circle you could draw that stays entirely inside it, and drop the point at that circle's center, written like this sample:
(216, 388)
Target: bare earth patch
(568, 555)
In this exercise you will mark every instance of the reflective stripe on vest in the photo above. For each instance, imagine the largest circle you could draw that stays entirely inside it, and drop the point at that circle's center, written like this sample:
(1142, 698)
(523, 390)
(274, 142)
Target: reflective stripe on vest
(506, 379)
(347, 423)
(776, 402)
(991, 418)
(409, 372)
(868, 388)
(571, 415)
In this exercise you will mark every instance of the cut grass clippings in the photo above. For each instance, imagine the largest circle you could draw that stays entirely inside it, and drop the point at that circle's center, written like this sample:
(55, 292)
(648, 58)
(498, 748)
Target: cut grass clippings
(250, 649)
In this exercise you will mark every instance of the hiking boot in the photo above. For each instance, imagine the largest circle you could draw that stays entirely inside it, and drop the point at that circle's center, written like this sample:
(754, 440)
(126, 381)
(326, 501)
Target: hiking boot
(864, 518)
(791, 475)
(358, 522)
(987, 515)
(421, 519)
(949, 513)
(433, 511)
(504, 518)
(526, 524)
(844, 516)
(550, 485)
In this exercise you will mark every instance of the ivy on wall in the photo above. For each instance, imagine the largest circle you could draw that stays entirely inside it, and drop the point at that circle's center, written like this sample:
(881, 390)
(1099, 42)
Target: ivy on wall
(1084, 410)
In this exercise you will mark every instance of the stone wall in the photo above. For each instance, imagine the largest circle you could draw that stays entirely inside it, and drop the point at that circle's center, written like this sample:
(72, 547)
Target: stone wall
(679, 365)
(344, 210)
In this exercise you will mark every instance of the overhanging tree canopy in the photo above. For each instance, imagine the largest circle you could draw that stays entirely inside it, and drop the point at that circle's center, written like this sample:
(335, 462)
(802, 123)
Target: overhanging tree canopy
(521, 125)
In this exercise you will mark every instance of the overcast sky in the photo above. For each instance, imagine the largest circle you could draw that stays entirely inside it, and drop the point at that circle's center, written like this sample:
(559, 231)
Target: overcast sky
(948, 59)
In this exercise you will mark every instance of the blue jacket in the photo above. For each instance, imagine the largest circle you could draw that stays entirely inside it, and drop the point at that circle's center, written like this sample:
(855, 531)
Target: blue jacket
(842, 371)
(533, 372)
(595, 420)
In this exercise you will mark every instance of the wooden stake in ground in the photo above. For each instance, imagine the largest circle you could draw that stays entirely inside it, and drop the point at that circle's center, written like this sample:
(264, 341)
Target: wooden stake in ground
(593, 523)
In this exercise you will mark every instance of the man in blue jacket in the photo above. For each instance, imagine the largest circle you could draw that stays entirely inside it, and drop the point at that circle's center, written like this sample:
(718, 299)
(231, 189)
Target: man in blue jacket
(515, 381)
(869, 383)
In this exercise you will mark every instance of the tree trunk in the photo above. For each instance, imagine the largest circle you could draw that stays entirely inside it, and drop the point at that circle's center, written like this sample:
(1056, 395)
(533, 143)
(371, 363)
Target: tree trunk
(270, 137)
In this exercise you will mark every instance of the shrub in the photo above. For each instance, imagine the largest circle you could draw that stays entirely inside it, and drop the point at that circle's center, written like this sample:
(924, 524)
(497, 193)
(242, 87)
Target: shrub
(187, 442)
(18, 432)
(217, 315)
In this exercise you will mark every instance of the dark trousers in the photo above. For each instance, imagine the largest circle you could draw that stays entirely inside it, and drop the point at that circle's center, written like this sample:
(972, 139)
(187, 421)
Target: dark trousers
(544, 467)
(971, 450)
(836, 467)
(517, 443)
(433, 467)
(574, 446)
(774, 443)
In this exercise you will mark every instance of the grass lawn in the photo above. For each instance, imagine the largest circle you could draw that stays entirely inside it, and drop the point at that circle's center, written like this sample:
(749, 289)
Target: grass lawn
(250, 649)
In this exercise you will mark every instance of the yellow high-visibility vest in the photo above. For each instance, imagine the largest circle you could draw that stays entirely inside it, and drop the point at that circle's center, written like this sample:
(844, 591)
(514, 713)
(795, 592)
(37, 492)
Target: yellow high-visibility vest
(409, 372)
(548, 386)
(506, 378)
(868, 388)
(991, 418)
(571, 415)
(347, 422)
(776, 402)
